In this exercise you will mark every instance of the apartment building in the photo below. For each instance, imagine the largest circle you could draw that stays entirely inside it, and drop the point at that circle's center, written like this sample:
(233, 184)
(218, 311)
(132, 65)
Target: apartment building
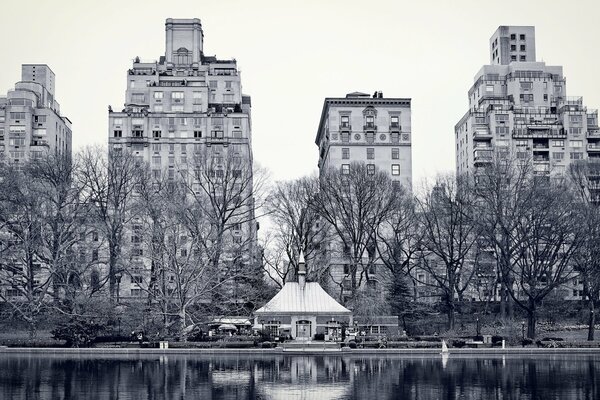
(30, 120)
(519, 106)
(182, 111)
(373, 130)
(369, 129)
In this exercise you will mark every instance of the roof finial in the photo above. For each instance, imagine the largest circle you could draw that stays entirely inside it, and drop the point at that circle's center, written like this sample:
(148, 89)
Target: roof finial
(301, 270)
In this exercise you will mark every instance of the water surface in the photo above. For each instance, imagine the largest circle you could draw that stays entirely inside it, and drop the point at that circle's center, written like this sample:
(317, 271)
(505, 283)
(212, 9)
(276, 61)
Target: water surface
(498, 377)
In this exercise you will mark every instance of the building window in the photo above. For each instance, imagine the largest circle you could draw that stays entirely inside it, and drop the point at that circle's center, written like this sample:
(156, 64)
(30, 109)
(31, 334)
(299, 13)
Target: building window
(395, 169)
(118, 133)
(513, 47)
(177, 95)
(345, 153)
(395, 137)
(212, 84)
(370, 153)
(370, 169)
(345, 169)
(513, 36)
(489, 88)
(576, 143)
(558, 143)
(345, 121)
(558, 156)
(345, 137)
(136, 279)
(177, 108)
(522, 58)
(526, 85)
(522, 47)
(395, 154)
(156, 160)
(156, 134)
(576, 156)
(158, 95)
(521, 37)
(394, 121)
(197, 97)
(197, 134)
(513, 58)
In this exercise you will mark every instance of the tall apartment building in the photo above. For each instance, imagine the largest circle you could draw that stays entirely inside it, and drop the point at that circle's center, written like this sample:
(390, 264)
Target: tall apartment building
(30, 119)
(518, 105)
(374, 130)
(182, 110)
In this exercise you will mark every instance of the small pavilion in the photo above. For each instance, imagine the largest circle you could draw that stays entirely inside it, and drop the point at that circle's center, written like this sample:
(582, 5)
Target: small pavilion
(302, 309)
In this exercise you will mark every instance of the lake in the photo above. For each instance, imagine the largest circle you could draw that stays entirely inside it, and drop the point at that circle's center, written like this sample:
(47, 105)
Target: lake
(98, 377)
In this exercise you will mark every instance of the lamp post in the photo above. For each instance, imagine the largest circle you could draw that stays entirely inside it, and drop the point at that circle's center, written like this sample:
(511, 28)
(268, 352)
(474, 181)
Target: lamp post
(478, 328)
(523, 332)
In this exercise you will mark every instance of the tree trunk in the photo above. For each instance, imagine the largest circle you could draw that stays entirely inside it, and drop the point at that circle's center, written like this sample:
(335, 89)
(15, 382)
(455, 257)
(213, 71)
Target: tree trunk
(451, 312)
(592, 320)
(502, 301)
(531, 319)
(182, 316)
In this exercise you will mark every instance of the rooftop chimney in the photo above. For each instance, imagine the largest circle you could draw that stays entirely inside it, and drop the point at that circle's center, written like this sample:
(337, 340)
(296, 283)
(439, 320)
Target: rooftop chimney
(301, 271)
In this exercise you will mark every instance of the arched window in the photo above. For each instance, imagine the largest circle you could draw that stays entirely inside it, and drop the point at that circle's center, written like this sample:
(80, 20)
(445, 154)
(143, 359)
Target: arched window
(183, 56)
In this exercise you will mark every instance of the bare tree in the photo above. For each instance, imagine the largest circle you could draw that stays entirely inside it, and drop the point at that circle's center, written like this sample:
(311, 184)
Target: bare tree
(297, 227)
(546, 238)
(355, 203)
(109, 184)
(503, 197)
(27, 282)
(584, 179)
(449, 238)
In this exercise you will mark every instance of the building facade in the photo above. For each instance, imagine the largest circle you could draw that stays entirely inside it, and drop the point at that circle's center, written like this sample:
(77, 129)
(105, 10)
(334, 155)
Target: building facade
(518, 105)
(30, 120)
(182, 113)
(372, 130)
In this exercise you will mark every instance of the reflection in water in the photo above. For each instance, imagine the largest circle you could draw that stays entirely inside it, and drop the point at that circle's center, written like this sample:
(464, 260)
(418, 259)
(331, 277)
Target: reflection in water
(298, 377)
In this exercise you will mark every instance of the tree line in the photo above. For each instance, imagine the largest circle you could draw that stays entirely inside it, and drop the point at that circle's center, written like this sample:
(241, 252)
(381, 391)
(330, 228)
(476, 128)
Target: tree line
(76, 232)
(521, 234)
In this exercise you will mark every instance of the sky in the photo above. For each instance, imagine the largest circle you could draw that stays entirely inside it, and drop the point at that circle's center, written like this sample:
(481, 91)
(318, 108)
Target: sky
(293, 54)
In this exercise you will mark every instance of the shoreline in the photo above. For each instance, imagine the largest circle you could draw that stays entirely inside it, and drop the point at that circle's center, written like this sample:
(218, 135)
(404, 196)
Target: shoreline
(281, 351)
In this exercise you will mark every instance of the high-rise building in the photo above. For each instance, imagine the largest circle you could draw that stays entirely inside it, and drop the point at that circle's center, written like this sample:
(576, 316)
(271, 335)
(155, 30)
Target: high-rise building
(185, 111)
(30, 119)
(372, 130)
(519, 106)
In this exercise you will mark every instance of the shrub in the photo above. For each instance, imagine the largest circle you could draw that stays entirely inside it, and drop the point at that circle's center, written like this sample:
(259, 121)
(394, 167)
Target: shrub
(352, 344)
(266, 345)
(77, 332)
(319, 336)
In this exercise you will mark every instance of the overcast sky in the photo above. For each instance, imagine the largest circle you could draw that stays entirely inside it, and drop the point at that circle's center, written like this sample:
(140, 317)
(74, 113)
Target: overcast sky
(292, 56)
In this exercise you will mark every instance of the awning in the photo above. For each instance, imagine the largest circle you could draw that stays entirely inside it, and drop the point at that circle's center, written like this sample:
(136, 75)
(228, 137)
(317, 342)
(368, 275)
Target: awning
(227, 327)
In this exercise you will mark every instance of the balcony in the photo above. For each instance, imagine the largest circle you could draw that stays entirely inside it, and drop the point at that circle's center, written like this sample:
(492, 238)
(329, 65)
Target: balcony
(482, 155)
(593, 146)
(395, 127)
(370, 127)
(345, 127)
(482, 135)
(43, 143)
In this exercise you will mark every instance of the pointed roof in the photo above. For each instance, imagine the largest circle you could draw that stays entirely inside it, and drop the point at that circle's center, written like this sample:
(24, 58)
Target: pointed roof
(310, 300)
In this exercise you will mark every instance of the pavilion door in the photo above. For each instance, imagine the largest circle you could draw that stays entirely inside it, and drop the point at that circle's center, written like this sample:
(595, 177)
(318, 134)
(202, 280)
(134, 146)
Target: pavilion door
(303, 330)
